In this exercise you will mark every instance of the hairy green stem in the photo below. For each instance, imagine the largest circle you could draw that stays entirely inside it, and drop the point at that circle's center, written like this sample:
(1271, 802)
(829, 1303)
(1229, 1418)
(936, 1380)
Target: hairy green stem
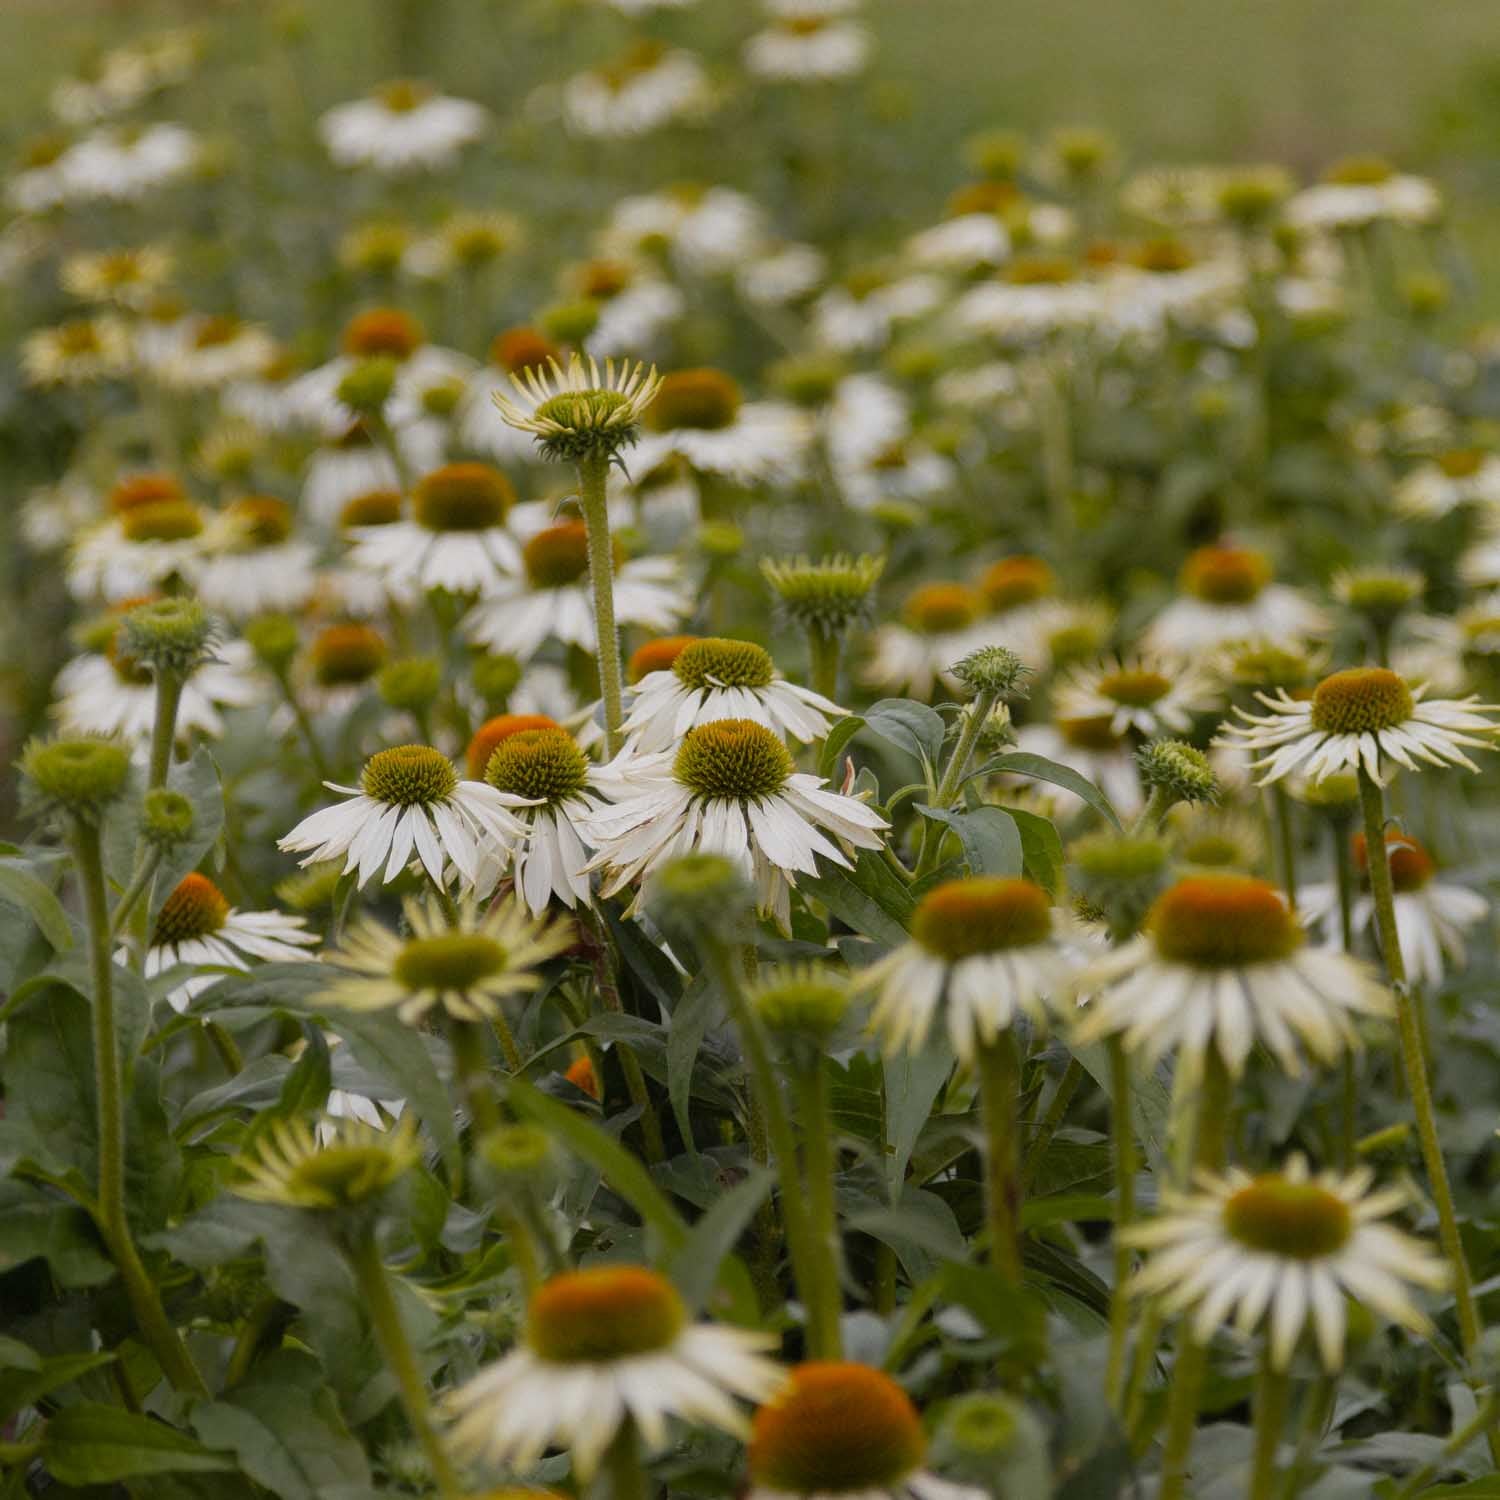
(622, 1463)
(823, 653)
(139, 882)
(1123, 1130)
(975, 717)
(1273, 1390)
(1286, 841)
(466, 1040)
(999, 1067)
(164, 728)
(822, 1210)
(1312, 1423)
(592, 474)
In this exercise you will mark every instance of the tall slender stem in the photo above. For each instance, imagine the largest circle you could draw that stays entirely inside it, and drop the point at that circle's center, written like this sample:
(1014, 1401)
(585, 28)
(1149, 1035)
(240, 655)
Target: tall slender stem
(975, 717)
(622, 1461)
(999, 1068)
(144, 872)
(592, 474)
(1123, 1130)
(1343, 865)
(1482, 1422)
(1272, 1390)
(1286, 841)
(1051, 1122)
(467, 1043)
(304, 726)
(1312, 1423)
(385, 1319)
(823, 651)
(145, 1303)
(822, 1210)
(1372, 804)
(163, 728)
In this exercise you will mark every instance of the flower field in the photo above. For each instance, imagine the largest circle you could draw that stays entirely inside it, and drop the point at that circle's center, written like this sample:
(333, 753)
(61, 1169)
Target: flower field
(738, 767)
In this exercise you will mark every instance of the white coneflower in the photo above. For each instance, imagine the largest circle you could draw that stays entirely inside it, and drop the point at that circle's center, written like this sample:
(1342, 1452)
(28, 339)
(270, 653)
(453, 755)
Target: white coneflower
(707, 231)
(1147, 694)
(343, 470)
(409, 804)
(1365, 717)
(53, 514)
(1224, 963)
(808, 43)
(214, 351)
(197, 926)
(403, 126)
(108, 693)
(907, 472)
(144, 546)
(649, 86)
(983, 951)
(552, 600)
(841, 1431)
(456, 538)
(127, 162)
(603, 1346)
(252, 563)
(721, 679)
(77, 352)
(1363, 191)
(730, 789)
(1431, 914)
(465, 970)
(782, 274)
(1285, 1251)
(1228, 595)
(1458, 476)
(120, 278)
(863, 313)
(937, 628)
(539, 760)
(629, 306)
(560, 407)
(700, 417)
(1033, 297)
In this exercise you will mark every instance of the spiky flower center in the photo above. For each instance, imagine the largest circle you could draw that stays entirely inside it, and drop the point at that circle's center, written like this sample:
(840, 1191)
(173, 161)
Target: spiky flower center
(828, 594)
(346, 655)
(340, 1175)
(1461, 463)
(1092, 733)
(1412, 867)
(374, 508)
(657, 656)
(558, 556)
(409, 776)
(1361, 700)
(144, 489)
(196, 908)
(706, 400)
(805, 1002)
(494, 731)
(603, 1313)
(453, 961)
(1014, 581)
(1223, 922)
(519, 349)
(261, 520)
(583, 411)
(1296, 1219)
(836, 1428)
(1214, 849)
(462, 497)
(383, 330)
(941, 608)
(1382, 592)
(984, 914)
(162, 521)
(734, 758)
(717, 662)
(1135, 687)
(542, 763)
(1226, 575)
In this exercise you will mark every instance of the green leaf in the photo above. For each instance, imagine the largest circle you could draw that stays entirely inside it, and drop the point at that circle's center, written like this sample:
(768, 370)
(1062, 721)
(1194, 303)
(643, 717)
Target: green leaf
(870, 897)
(1150, 1103)
(622, 1171)
(14, 1355)
(989, 836)
(1011, 1314)
(284, 1425)
(35, 1223)
(19, 886)
(1066, 1208)
(695, 1267)
(1039, 768)
(1041, 849)
(90, 1443)
(912, 1083)
(838, 737)
(908, 725)
(690, 1023)
(20, 1388)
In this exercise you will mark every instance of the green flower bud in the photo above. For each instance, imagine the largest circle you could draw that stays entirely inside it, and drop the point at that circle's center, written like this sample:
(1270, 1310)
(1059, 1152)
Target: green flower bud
(170, 636)
(804, 1002)
(830, 595)
(993, 669)
(79, 777)
(990, 1439)
(412, 683)
(166, 819)
(701, 897)
(1179, 769)
(519, 1156)
(1119, 875)
(312, 889)
(570, 322)
(495, 678)
(367, 387)
(274, 640)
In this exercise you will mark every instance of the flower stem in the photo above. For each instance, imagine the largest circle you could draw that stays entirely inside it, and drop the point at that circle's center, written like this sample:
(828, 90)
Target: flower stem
(1051, 1123)
(150, 1315)
(467, 1043)
(1286, 842)
(975, 717)
(823, 651)
(1372, 804)
(1158, 805)
(823, 1233)
(1124, 1140)
(1481, 1423)
(999, 1068)
(1273, 1388)
(1312, 1423)
(164, 728)
(385, 1319)
(627, 1475)
(304, 726)
(134, 891)
(592, 474)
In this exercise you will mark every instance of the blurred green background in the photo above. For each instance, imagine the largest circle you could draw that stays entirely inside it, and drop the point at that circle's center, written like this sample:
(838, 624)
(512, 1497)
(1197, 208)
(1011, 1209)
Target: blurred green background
(1297, 81)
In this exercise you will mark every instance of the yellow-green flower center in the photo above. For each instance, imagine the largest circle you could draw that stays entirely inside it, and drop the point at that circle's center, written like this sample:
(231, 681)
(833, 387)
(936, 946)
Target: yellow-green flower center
(1039, 270)
(716, 662)
(452, 961)
(706, 400)
(374, 508)
(261, 520)
(409, 776)
(543, 763)
(1089, 734)
(835, 1429)
(346, 655)
(603, 1313)
(732, 758)
(1223, 922)
(1360, 171)
(402, 95)
(162, 521)
(1461, 463)
(1226, 575)
(462, 497)
(1135, 687)
(383, 330)
(196, 908)
(985, 914)
(557, 556)
(941, 608)
(1296, 1219)
(583, 411)
(144, 489)
(1362, 700)
(1015, 581)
